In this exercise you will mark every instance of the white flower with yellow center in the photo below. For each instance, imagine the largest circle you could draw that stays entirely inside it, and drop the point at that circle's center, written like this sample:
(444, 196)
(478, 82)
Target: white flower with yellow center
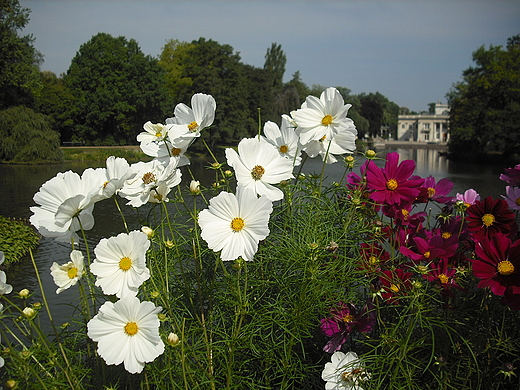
(152, 181)
(345, 371)
(154, 132)
(175, 145)
(234, 225)
(343, 142)
(120, 263)
(127, 331)
(106, 182)
(65, 206)
(4, 287)
(258, 165)
(284, 139)
(68, 274)
(199, 116)
(323, 117)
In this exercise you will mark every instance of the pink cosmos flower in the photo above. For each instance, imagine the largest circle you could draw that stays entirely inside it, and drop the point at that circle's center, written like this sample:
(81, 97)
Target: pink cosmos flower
(512, 197)
(434, 248)
(392, 184)
(345, 320)
(437, 191)
(442, 274)
(498, 264)
(511, 175)
(394, 284)
(469, 197)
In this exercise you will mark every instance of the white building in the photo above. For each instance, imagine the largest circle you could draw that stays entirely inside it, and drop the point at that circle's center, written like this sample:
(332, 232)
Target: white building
(431, 127)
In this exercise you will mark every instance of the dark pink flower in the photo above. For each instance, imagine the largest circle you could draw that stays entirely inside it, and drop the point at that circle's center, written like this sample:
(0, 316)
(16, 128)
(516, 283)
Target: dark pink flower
(511, 175)
(395, 284)
(345, 319)
(489, 217)
(401, 214)
(392, 184)
(498, 264)
(438, 191)
(442, 274)
(434, 248)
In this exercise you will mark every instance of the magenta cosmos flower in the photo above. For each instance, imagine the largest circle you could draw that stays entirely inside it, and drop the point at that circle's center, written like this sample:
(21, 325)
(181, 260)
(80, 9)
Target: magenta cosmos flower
(346, 319)
(395, 284)
(392, 184)
(489, 217)
(437, 190)
(511, 175)
(498, 264)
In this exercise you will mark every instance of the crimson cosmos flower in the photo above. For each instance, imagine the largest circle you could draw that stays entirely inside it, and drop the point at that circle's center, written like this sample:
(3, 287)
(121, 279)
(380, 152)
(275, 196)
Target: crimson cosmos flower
(393, 283)
(489, 217)
(392, 184)
(345, 319)
(498, 264)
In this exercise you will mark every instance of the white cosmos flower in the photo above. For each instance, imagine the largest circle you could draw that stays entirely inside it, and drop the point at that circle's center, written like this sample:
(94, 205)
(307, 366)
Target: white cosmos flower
(235, 224)
(4, 287)
(343, 142)
(120, 263)
(258, 165)
(68, 274)
(152, 181)
(345, 371)
(323, 117)
(284, 138)
(127, 331)
(200, 115)
(65, 206)
(174, 145)
(154, 132)
(108, 181)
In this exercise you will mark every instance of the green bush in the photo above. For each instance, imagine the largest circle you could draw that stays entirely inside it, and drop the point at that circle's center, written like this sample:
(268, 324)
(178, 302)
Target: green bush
(16, 238)
(27, 137)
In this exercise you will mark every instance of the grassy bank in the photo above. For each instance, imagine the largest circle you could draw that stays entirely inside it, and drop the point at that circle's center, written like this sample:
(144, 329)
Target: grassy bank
(16, 238)
(100, 153)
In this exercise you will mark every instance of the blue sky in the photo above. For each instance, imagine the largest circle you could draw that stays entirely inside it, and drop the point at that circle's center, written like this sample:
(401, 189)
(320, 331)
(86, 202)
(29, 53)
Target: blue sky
(410, 51)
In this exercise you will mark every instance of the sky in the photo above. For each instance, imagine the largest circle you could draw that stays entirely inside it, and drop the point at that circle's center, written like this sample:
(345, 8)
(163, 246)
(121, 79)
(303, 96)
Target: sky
(410, 51)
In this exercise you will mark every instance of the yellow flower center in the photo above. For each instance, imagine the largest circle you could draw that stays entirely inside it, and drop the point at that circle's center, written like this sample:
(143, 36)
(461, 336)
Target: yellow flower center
(431, 192)
(392, 184)
(148, 178)
(105, 184)
(350, 376)
(517, 201)
(394, 288)
(158, 134)
(237, 224)
(323, 138)
(488, 219)
(466, 205)
(72, 272)
(427, 254)
(505, 268)
(284, 149)
(327, 120)
(405, 213)
(348, 318)
(125, 263)
(443, 278)
(131, 328)
(257, 172)
(175, 151)
(446, 235)
(373, 260)
(193, 126)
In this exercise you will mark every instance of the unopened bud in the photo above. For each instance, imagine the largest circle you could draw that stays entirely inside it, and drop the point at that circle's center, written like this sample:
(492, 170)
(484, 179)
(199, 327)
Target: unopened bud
(24, 293)
(148, 231)
(173, 339)
(195, 187)
(29, 312)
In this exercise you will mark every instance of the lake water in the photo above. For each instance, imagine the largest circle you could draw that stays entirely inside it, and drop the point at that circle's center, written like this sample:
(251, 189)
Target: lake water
(19, 183)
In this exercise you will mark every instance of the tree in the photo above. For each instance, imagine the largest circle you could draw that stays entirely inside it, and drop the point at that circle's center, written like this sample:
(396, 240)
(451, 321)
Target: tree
(485, 105)
(274, 64)
(379, 111)
(19, 60)
(116, 89)
(26, 136)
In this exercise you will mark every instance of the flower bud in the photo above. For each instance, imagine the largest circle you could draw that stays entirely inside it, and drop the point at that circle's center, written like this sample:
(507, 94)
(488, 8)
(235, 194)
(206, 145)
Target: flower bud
(29, 312)
(228, 173)
(148, 231)
(173, 339)
(10, 384)
(24, 293)
(370, 153)
(195, 187)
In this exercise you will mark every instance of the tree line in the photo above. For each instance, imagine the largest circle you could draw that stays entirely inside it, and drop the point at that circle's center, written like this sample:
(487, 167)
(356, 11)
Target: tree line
(112, 88)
